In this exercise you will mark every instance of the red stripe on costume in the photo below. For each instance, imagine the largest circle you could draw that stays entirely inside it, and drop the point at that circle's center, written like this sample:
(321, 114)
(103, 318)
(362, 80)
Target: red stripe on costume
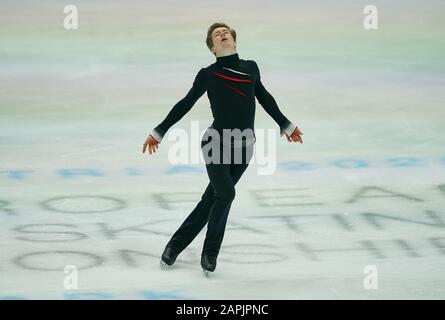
(235, 89)
(230, 78)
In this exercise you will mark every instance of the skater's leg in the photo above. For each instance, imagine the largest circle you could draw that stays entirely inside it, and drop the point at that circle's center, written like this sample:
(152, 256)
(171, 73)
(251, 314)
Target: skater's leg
(223, 185)
(224, 177)
(194, 223)
(197, 219)
(236, 171)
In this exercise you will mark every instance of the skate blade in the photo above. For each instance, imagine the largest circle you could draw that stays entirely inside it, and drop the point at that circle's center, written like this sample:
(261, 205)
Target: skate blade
(164, 266)
(206, 273)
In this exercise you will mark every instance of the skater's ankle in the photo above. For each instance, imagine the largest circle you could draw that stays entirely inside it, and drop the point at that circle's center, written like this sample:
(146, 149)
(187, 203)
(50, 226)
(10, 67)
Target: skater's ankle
(209, 254)
(174, 246)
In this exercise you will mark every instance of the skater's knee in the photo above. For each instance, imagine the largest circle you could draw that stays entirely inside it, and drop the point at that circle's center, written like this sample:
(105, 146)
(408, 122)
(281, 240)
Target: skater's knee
(227, 195)
(208, 197)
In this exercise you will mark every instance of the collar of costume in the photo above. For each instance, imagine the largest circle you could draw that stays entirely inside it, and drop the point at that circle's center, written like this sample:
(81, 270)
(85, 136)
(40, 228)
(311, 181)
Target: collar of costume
(227, 60)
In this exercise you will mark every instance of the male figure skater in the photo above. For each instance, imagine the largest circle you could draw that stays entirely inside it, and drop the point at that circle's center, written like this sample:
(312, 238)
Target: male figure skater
(232, 85)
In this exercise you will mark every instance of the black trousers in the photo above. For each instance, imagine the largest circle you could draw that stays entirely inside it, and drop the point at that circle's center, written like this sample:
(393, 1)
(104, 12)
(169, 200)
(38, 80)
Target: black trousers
(215, 203)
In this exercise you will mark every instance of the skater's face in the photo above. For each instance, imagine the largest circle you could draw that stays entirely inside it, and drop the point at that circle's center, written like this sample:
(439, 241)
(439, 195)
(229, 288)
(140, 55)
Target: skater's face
(222, 40)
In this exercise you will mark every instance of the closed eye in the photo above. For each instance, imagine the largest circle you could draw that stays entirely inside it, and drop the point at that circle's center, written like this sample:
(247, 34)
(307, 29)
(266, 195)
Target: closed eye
(218, 32)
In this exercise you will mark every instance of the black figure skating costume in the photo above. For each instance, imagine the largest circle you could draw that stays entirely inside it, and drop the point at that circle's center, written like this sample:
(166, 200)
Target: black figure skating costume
(231, 84)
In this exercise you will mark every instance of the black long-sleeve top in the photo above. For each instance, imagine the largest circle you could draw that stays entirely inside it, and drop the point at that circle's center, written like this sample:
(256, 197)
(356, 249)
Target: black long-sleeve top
(232, 85)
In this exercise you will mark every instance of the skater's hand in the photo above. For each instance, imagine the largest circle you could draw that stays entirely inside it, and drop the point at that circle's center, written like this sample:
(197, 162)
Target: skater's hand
(296, 136)
(152, 144)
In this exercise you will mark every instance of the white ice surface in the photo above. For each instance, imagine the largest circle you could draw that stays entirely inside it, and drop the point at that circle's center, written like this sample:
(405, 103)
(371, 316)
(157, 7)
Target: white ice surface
(367, 185)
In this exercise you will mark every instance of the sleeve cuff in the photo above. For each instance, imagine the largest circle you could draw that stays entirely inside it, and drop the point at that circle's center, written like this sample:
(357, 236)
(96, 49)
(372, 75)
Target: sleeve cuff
(156, 135)
(289, 129)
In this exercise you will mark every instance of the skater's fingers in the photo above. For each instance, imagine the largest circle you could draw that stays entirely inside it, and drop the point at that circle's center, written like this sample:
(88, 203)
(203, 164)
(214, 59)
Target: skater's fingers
(299, 139)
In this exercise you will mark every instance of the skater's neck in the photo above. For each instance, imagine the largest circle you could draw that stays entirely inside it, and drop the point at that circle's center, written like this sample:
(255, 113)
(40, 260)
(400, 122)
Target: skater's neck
(229, 59)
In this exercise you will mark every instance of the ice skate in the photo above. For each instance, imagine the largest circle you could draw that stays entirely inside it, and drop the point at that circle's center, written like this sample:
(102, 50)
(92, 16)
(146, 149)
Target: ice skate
(206, 273)
(168, 257)
(208, 264)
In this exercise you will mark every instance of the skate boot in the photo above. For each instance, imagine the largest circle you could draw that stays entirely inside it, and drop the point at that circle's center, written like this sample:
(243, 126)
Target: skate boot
(168, 257)
(208, 263)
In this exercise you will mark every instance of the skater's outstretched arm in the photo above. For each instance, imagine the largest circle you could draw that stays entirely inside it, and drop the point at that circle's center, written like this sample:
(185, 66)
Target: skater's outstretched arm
(182, 106)
(177, 112)
(269, 104)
